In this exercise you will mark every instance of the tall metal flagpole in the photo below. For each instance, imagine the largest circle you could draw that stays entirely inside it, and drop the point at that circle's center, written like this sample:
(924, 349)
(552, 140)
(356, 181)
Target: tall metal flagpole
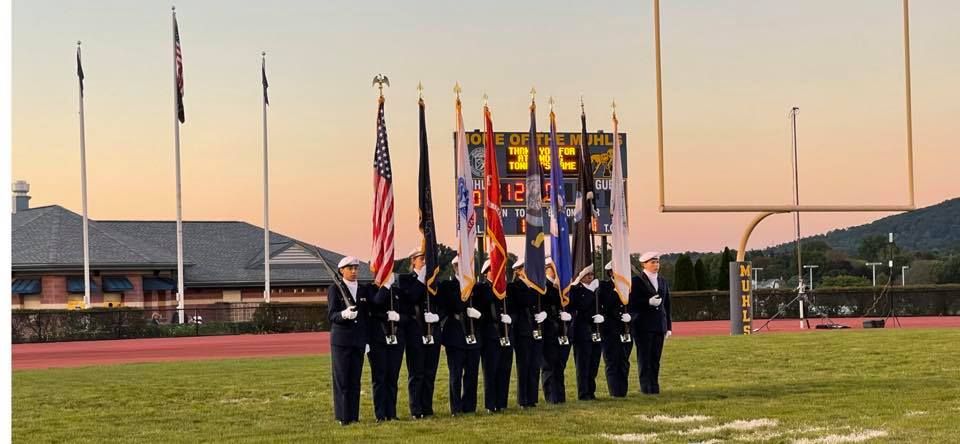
(176, 138)
(266, 188)
(83, 191)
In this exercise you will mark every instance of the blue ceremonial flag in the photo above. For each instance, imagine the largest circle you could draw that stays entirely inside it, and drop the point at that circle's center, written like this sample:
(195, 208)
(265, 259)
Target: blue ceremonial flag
(533, 262)
(559, 230)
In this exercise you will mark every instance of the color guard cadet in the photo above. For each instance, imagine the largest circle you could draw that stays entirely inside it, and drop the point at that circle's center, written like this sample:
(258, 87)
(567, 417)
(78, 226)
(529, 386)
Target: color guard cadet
(422, 350)
(529, 350)
(460, 339)
(617, 341)
(650, 297)
(496, 354)
(386, 339)
(552, 319)
(348, 315)
(586, 352)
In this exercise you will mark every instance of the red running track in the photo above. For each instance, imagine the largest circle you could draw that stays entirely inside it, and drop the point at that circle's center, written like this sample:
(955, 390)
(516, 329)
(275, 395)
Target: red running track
(86, 353)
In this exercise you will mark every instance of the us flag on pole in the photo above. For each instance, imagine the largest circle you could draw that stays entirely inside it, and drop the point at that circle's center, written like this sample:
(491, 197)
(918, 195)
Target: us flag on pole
(178, 60)
(382, 257)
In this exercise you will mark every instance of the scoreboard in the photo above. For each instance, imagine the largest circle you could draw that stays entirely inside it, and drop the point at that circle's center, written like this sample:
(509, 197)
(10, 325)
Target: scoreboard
(513, 154)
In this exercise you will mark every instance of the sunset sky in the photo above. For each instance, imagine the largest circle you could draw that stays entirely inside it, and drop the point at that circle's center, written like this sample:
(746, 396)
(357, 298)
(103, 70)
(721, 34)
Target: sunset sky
(732, 70)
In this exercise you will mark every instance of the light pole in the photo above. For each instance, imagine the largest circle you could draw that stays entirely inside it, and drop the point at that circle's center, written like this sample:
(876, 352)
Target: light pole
(756, 275)
(903, 275)
(811, 267)
(873, 265)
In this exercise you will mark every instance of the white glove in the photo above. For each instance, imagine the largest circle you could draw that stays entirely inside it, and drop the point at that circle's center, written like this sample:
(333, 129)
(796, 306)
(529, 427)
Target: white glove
(597, 319)
(506, 319)
(655, 301)
(473, 313)
(393, 316)
(625, 317)
(669, 333)
(431, 317)
(564, 316)
(540, 317)
(349, 313)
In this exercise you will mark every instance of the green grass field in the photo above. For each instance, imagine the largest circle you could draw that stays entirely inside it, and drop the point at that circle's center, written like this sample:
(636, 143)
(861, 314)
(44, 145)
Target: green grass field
(893, 385)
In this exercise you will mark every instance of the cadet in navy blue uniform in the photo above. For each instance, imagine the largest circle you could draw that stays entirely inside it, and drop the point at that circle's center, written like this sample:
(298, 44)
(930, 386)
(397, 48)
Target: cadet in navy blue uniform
(650, 297)
(463, 358)
(386, 339)
(529, 351)
(586, 352)
(551, 320)
(495, 355)
(422, 358)
(617, 343)
(348, 316)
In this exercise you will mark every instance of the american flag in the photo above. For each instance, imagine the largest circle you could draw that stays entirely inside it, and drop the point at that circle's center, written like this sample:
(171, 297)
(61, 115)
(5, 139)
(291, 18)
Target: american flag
(178, 60)
(382, 262)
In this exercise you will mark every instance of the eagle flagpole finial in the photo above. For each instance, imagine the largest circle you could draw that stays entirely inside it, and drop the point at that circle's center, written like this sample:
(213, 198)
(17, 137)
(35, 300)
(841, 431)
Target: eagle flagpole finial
(457, 89)
(381, 80)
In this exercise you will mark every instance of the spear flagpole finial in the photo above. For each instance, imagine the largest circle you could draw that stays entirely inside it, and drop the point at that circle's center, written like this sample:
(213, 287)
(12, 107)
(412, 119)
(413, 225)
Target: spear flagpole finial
(420, 90)
(485, 99)
(551, 102)
(533, 94)
(582, 110)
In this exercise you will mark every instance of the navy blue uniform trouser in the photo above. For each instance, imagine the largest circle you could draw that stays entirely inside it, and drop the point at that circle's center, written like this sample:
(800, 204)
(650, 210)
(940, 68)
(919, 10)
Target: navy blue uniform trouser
(555, 357)
(649, 349)
(347, 369)
(529, 355)
(385, 363)
(616, 359)
(497, 362)
(464, 364)
(422, 362)
(586, 356)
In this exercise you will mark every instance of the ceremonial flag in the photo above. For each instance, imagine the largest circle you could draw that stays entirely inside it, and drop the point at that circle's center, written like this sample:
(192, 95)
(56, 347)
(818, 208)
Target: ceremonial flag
(178, 68)
(79, 70)
(428, 231)
(619, 230)
(559, 231)
(496, 243)
(466, 216)
(533, 261)
(382, 256)
(583, 216)
(263, 72)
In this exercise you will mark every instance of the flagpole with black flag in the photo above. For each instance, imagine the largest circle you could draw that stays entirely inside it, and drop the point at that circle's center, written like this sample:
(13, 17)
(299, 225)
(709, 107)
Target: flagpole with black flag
(83, 189)
(178, 118)
(583, 246)
(266, 185)
(428, 230)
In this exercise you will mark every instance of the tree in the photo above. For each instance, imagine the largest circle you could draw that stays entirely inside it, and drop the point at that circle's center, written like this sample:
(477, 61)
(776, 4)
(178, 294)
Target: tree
(874, 248)
(844, 280)
(700, 273)
(722, 277)
(684, 277)
(950, 273)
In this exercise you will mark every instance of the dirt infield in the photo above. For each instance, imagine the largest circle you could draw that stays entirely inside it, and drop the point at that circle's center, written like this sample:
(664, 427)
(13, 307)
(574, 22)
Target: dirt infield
(86, 353)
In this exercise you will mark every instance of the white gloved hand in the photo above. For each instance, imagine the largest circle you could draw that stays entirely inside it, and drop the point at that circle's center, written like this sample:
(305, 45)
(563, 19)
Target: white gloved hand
(625, 317)
(393, 316)
(655, 301)
(669, 333)
(350, 313)
(506, 319)
(431, 318)
(540, 317)
(597, 319)
(473, 313)
(564, 316)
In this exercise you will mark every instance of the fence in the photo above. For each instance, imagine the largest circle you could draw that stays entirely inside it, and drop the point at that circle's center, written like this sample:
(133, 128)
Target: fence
(126, 323)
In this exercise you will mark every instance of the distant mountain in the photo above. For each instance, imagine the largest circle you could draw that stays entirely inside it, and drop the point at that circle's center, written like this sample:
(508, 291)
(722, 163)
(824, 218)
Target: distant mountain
(933, 228)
